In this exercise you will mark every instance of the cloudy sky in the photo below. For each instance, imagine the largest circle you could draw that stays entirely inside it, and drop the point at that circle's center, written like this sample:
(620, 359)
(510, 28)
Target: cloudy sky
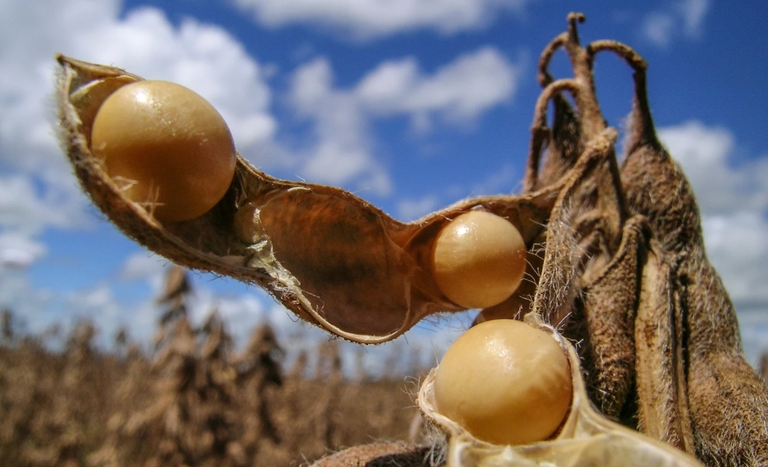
(411, 104)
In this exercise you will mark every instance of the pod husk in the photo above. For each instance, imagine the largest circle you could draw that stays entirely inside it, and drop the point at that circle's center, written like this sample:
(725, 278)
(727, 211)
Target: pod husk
(721, 402)
(329, 256)
(586, 437)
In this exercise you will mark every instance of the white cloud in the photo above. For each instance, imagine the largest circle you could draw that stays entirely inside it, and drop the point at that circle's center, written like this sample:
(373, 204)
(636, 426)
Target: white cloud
(27, 208)
(374, 18)
(105, 304)
(692, 13)
(754, 329)
(145, 266)
(682, 16)
(98, 304)
(705, 154)
(733, 200)
(412, 209)
(25, 301)
(18, 250)
(658, 28)
(210, 61)
(38, 191)
(37, 188)
(457, 93)
(737, 246)
(241, 312)
(341, 152)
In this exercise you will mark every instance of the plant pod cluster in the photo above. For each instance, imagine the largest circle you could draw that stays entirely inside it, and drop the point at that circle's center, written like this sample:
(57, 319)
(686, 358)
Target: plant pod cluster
(619, 271)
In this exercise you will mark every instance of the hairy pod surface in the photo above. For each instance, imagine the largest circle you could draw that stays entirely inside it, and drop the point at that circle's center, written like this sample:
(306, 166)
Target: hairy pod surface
(722, 424)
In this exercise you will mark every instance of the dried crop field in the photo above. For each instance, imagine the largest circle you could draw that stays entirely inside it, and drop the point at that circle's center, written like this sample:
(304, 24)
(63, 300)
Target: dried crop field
(194, 401)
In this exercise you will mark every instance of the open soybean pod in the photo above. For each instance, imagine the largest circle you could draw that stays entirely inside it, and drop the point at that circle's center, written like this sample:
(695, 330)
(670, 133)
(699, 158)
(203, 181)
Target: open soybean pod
(585, 437)
(329, 256)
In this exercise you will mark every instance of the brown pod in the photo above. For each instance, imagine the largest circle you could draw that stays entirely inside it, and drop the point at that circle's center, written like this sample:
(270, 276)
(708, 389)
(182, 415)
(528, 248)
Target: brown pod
(591, 276)
(563, 140)
(329, 256)
(606, 311)
(727, 425)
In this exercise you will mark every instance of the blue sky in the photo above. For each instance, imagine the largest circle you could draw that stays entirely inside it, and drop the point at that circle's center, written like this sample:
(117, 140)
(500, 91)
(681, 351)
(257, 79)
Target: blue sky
(411, 104)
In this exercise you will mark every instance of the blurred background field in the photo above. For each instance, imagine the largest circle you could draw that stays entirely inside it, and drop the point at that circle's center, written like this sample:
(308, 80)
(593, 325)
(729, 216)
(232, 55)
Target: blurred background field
(189, 399)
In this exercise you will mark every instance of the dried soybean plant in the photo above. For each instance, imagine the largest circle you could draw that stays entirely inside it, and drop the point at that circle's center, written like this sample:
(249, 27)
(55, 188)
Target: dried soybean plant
(623, 272)
(191, 416)
(258, 370)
